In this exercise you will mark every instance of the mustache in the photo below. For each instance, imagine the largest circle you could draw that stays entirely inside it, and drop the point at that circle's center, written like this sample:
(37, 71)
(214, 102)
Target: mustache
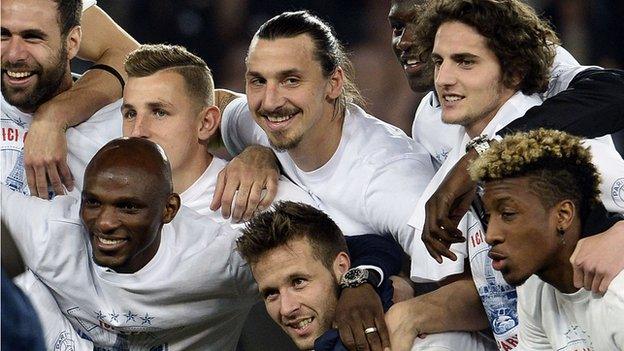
(20, 65)
(279, 112)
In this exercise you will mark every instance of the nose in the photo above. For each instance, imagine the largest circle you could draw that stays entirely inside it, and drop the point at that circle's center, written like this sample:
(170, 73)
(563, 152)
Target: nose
(444, 74)
(140, 127)
(493, 235)
(407, 37)
(107, 220)
(272, 99)
(289, 303)
(14, 49)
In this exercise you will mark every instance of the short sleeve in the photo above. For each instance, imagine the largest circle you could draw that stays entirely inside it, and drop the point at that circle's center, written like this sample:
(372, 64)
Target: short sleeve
(238, 128)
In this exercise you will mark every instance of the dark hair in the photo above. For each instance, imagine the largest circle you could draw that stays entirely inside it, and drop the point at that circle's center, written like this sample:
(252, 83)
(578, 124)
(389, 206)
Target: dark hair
(149, 59)
(523, 43)
(329, 51)
(558, 164)
(69, 14)
(289, 221)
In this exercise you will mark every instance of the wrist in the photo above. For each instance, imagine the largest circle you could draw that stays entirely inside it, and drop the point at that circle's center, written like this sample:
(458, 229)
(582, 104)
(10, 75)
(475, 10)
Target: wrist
(357, 276)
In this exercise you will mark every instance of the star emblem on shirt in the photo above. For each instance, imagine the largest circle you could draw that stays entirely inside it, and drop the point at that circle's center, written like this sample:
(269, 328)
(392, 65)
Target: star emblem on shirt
(147, 319)
(130, 316)
(113, 316)
(99, 315)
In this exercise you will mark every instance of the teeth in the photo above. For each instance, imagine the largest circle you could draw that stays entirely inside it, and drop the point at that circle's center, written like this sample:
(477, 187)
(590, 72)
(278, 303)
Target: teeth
(18, 74)
(412, 62)
(452, 98)
(109, 242)
(304, 322)
(276, 119)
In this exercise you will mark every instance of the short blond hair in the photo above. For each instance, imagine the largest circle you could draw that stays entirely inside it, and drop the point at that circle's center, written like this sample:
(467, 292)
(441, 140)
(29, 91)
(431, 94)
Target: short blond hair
(152, 58)
(559, 165)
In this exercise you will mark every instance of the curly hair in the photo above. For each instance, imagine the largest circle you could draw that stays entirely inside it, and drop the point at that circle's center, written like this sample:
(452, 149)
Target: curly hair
(559, 166)
(523, 43)
(290, 221)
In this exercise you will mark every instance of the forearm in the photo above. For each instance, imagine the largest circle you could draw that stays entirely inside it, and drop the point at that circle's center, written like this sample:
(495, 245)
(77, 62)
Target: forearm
(453, 307)
(592, 106)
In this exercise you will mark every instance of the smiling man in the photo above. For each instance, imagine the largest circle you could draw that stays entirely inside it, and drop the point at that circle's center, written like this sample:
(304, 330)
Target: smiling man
(540, 188)
(127, 265)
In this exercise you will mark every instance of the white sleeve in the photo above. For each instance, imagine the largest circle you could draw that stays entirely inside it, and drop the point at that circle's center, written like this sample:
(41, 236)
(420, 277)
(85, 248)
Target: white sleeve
(238, 128)
(614, 309)
(610, 165)
(25, 218)
(564, 69)
(531, 335)
(392, 194)
(87, 3)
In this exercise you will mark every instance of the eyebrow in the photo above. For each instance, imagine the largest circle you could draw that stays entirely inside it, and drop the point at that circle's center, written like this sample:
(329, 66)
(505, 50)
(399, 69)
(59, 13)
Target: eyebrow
(457, 57)
(151, 105)
(26, 33)
(285, 73)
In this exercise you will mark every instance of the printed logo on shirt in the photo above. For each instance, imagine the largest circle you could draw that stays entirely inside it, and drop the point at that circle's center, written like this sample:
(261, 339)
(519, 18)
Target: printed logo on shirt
(577, 340)
(617, 192)
(64, 342)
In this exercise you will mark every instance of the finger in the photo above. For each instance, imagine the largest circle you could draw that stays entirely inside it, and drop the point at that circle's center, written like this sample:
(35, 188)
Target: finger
(374, 341)
(578, 276)
(442, 249)
(228, 197)
(604, 285)
(361, 342)
(66, 177)
(31, 179)
(269, 195)
(430, 249)
(41, 182)
(55, 180)
(252, 203)
(443, 233)
(451, 233)
(240, 204)
(595, 287)
(219, 188)
(382, 330)
(346, 336)
(588, 279)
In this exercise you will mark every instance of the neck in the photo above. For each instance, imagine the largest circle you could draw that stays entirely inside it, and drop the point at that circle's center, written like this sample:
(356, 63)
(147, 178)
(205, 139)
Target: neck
(559, 272)
(191, 169)
(321, 143)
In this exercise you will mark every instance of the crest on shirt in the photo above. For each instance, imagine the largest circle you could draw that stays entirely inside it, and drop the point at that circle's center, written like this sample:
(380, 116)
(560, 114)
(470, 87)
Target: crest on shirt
(576, 339)
(64, 342)
(617, 192)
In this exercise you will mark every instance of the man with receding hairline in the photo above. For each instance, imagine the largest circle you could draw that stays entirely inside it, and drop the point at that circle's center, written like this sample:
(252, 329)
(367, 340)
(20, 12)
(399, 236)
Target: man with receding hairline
(127, 265)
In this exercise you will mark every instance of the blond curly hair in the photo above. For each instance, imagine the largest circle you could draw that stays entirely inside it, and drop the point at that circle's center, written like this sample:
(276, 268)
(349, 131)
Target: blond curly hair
(559, 165)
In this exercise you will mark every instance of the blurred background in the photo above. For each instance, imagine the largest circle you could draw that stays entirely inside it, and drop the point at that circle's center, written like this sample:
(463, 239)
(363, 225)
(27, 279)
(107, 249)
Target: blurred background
(220, 30)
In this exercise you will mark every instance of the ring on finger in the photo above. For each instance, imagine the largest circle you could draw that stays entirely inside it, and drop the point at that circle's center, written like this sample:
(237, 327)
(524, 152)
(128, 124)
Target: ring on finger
(370, 330)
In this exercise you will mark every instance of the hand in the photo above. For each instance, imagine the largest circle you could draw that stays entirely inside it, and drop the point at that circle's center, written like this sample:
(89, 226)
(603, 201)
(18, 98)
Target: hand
(446, 207)
(403, 290)
(360, 308)
(597, 259)
(401, 322)
(45, 157)
(246, 177)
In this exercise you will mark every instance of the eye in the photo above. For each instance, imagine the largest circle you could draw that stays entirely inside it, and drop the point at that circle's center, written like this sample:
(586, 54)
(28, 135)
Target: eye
(90, 202)
(291, 81)
(397, 28)
(436, 61)
(270, 295)
(160, 113)
(507, 215)
(465, 63)
(299, 283)
(129, 114)
(256, 81)
(129, 207)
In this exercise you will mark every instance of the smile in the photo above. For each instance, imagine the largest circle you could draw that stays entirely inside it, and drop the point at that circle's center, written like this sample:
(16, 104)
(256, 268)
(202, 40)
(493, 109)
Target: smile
(19, 75)
(278, 119)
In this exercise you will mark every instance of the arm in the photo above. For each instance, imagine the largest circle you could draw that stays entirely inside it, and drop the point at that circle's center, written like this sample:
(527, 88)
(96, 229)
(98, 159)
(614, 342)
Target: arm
(362, 305)
(453, 307)
(45, 149)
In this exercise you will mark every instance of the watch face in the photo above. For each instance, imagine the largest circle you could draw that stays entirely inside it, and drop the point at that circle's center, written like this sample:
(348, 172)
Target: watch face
(355, 275)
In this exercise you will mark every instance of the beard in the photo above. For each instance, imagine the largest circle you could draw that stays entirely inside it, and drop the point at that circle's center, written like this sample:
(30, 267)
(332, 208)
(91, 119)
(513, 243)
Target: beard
(49, 80)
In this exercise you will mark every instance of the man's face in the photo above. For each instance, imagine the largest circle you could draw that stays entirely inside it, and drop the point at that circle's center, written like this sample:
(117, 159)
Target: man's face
(159, 108)
(521, 231)
(468, 77)
(287, 92)
(123, 213)
(299, 292)
(402, 17)
(34, 55)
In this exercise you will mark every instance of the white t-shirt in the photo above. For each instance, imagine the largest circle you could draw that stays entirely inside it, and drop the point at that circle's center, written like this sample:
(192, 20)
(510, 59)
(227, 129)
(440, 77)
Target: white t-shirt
(194, 294)
(438, 138)
(199, 195)
(371, 183)
(83, 141)
(87, 3)
(552, 320)
(498, 297)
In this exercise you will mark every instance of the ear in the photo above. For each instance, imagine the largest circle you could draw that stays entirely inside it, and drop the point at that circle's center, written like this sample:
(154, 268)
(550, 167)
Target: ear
(209, 120)
(336, 82)
(72, 42)
(342, 263)
(171, 207)
(566, 212)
